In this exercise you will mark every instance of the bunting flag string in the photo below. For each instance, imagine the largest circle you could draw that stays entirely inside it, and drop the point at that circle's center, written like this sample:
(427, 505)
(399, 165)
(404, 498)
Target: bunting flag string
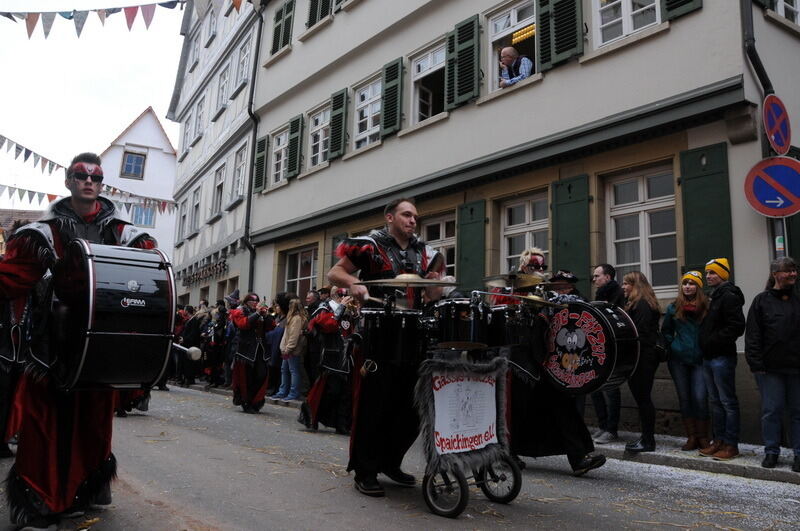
(129, 200)
(38, 159)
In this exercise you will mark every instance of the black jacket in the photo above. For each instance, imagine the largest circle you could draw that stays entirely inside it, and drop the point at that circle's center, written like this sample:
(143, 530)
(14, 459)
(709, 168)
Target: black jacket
(611, 293)
(772, 339)
(646, 320)
(723, 323)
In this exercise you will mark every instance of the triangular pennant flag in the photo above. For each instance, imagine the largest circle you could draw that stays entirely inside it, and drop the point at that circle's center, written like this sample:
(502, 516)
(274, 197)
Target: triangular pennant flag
(169, 5)
(147, 14)
(51, 197)
(17, 151)
(80, 20)
(113, 10)
(130, 15)
(2, 189)
(40, 197)
(162, 206)
(50, 167)
(44, 163)
(21, 192)
(237, 4)
(9, 146)
(9, 16)
(27, 155)
(35, 159)
(11, 191)
(31, 195)
(128, 207)
(47, 22)
(66, 14)
(101, 14)
(30, 22)
(2, 141)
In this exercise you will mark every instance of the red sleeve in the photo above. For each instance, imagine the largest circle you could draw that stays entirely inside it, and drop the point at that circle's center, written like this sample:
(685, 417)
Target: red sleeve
(240, 319)
(21, 267)
(325, 323)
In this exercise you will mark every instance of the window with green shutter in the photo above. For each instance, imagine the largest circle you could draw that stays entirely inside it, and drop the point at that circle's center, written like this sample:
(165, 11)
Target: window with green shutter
(260, 166)
(462, 64)
(317, 10)
(570, 228)
(675, 8)
(294, 160)
(471, 245)
(338, 138)
(282, 32)
(560, 28)
(392, 98)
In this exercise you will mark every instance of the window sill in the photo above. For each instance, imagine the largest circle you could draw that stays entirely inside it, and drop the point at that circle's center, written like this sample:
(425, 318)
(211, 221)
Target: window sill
(210, 40)
(625, 41)
(135, 177)
(359, 151)
(183, 155)
(326, 21)
(436, 118)
(193, 65)
(277, 55)
(315, 169)
(213, 219)
(783, 22)
(535, 78)
(193, 235)
(179, 243)
(349, 4)
(196, 140)
(276, 186)
(238, 89)
(233, 204)
(218, 113)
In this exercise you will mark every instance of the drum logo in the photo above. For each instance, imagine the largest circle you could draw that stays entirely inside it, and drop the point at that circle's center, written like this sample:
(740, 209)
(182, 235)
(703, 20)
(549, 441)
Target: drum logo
(133, 286)
(576, 347)
(128, 301)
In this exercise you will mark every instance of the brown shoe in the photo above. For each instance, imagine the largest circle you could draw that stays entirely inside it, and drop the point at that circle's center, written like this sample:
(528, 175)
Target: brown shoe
(691, 435)
(712, 448)
(702, 433)
(727, 452)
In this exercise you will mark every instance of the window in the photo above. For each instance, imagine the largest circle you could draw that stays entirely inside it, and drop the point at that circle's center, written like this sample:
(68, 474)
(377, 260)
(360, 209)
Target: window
(282, 31)
(244, 63)
(317, 10)
(515, 26)
(525, 225)
(641, 225)
(222, 90)
(187, 133)
(427, 74)
(237, 190)
(368, 114)
(195, 218)
(789, 9)
(280, 154)
(195, 53)
(301, 271)
(198, 117)
(219, 187)
(211, 29)
(143, 216)
(319, 136)
(441, 235)
(614, 19)
(133, 165)
(181, 221)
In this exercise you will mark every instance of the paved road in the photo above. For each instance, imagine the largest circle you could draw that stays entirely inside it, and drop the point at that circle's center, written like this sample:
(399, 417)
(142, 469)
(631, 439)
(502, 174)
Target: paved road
(196, 462)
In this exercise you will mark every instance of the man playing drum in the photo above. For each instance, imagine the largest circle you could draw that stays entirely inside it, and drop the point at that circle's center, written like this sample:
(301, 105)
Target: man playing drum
(385, 422)
(64, 462)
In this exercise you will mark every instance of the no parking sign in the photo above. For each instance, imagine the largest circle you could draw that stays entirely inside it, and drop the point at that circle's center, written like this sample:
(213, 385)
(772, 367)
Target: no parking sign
(773, 187)
(776, 124)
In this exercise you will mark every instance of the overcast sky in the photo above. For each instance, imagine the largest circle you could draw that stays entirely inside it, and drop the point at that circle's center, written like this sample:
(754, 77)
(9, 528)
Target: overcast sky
(66, 95)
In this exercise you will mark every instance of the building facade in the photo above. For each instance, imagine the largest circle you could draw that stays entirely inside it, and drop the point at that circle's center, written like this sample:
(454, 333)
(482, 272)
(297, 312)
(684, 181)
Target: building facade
(210, 101)
(629, 142)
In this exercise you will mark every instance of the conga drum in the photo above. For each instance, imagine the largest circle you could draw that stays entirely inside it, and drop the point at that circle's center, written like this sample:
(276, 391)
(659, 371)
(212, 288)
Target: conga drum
(113, 317)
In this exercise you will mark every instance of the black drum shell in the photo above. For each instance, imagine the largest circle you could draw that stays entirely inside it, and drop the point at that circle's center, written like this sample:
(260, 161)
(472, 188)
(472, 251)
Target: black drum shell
(510, 324)
(394, 336)
(463, 324)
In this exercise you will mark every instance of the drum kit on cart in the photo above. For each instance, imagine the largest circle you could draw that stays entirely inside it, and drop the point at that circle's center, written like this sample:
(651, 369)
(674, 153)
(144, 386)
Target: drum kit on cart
(464, 349)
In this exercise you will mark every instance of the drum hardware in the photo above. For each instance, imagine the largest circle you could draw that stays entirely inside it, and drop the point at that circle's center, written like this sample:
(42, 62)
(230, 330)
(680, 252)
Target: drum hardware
(193, 353)
(536, 300)
(407, 280)
(517, 280)
(368, 367)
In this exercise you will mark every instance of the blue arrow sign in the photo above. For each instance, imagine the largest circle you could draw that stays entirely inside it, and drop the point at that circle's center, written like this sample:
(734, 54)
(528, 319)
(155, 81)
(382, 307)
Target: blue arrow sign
(772, 187)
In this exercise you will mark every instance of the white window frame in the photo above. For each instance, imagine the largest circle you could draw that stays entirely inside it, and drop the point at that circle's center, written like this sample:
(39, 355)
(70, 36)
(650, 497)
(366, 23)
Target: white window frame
(222, 86)
(642, 206)
(126, 175)
(239, 165)
(530, 228)
(512, 10)
(627, 20)
(443, 243)
(187, 133)
(199, 111)
(194, 221)
(181, 220)
(279, 155)
(312, 278)
(428, 55)
(144, 210)
(323, 129)
(789, 12)
(243, 65)
(372, 134)
(195, 50)
(219, 190)
(211, 30)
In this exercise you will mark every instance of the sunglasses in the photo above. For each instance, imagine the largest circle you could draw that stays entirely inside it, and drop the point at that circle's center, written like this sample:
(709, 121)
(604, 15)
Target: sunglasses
(83, 176)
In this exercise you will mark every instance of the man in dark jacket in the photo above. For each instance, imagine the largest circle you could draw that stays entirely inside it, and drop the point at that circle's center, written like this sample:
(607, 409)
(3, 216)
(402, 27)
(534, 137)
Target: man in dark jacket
(772, 348)
(723, 324)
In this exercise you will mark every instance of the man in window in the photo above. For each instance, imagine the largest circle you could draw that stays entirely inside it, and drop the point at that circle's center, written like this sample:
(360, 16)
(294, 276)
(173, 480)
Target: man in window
(513, 67)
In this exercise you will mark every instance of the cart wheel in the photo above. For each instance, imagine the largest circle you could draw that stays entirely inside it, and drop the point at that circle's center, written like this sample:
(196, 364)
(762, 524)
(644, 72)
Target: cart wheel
(501, 481)
(446, 493)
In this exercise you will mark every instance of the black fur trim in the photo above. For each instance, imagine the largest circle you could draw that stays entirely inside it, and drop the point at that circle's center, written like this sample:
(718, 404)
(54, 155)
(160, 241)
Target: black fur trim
(96, 482)
(24, 505)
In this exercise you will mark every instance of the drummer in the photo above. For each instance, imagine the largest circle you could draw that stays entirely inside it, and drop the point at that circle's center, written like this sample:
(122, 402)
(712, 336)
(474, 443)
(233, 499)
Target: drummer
(531, 262)
(385, 422)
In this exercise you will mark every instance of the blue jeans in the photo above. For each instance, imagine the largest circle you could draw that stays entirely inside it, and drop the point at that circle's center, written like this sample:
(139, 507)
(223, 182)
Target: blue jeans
(290, 378)
(690, 384)
(779, 390)
(720, 375)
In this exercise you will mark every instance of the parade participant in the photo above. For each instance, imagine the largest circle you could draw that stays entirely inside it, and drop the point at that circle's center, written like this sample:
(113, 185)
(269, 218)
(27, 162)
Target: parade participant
(329, 400)
(64, 460)
(385, 422)
(250, 366)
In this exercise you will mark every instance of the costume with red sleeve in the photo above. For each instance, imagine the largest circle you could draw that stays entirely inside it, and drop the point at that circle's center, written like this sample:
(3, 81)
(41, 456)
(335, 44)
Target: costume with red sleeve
(64, 457)
(385, 421)
(250, 369)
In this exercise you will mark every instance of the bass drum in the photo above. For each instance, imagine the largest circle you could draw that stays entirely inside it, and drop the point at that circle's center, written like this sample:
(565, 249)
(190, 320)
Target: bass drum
(113, 317)
(590, 347)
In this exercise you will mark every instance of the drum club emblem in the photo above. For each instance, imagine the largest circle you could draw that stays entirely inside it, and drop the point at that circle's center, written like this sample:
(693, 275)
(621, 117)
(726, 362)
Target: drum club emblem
(576, 348)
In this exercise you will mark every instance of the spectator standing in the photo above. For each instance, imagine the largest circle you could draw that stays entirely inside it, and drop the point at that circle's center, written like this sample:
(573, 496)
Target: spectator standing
(680, 330)
(772, 348)
(723, 324)
(293, 346)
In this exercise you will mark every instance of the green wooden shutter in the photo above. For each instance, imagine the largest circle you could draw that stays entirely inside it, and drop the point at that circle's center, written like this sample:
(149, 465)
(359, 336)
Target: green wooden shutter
(462, 63)
(392, 97)
(260, 167)
(337, 5)
(705, 191)
(295, 148)
(471, 245)
(277, 30)
(317, 10)
(338, 137)
(544, 35)
(288, 21)
(675, 8)
(566, 30)
(570, 226)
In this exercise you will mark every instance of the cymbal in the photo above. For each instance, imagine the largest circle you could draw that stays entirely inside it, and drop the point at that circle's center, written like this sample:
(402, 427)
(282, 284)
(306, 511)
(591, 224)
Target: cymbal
(517, 280)
(407, 280)
(539, 301)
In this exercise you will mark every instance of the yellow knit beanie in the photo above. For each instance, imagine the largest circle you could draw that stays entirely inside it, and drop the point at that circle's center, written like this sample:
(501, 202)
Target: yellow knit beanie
(719, 266)
(694, 276)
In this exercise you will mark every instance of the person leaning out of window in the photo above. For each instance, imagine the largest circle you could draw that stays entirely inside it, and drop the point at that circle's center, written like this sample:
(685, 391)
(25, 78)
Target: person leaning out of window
(772, 349)
(513, 67)
(680, 328)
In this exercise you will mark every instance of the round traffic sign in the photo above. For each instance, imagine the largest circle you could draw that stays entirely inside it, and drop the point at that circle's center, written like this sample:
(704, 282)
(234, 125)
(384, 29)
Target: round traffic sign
(772, 187)
(776, 124)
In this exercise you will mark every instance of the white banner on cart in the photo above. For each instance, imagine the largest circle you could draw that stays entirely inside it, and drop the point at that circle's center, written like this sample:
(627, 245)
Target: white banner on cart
(466, 412)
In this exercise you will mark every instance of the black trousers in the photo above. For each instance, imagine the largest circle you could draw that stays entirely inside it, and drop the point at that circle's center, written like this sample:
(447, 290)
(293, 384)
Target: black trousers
(641, 386)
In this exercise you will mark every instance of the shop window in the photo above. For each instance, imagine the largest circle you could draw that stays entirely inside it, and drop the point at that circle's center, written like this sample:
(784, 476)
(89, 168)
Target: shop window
(525, 224)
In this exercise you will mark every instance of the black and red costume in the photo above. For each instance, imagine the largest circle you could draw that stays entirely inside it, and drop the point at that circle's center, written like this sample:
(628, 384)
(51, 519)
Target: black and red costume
(64, 457)
(385, 421)
(250, 365)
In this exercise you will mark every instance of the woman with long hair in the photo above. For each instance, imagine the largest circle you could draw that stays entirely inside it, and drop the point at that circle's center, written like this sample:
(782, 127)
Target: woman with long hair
(293, 347)
(642, 306)
(680, 329)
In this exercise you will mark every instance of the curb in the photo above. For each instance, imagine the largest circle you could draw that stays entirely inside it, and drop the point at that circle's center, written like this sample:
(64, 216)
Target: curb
(227, 392)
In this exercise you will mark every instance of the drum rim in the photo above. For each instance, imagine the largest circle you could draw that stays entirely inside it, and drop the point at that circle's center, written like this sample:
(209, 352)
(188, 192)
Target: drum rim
(383, 311)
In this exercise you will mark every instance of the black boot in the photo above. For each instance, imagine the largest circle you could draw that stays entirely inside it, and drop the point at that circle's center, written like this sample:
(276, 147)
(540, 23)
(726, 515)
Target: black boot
(644, 444)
